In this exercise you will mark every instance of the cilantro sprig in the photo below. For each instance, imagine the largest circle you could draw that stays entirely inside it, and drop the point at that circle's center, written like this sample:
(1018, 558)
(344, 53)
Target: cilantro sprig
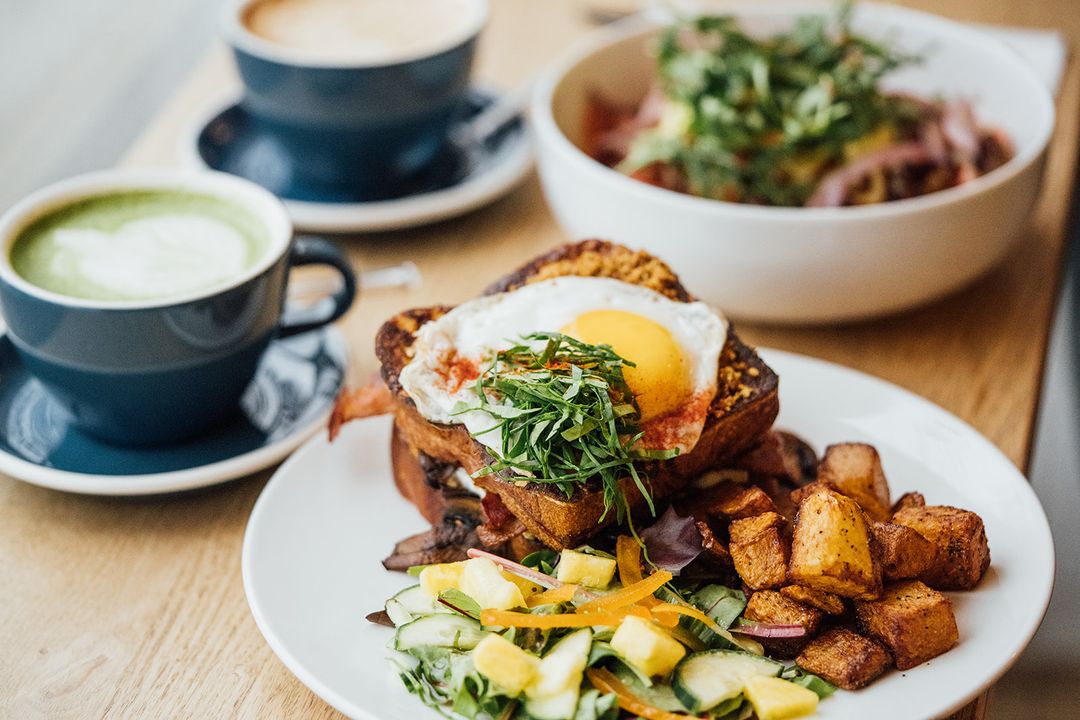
(566, 417)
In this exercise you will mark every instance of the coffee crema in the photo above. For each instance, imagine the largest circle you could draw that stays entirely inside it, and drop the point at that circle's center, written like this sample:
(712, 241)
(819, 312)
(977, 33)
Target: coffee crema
(139, 245)
(362, 31)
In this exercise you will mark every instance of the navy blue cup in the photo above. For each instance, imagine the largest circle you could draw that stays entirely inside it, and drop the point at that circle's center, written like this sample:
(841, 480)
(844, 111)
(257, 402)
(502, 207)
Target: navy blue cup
(155, 372)
(357, 129)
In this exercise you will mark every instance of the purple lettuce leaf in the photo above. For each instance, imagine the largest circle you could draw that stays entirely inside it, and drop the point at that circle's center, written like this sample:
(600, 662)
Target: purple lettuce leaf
(672, 542)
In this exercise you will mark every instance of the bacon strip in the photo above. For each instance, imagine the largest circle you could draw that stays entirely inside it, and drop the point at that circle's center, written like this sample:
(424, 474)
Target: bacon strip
(366, 401)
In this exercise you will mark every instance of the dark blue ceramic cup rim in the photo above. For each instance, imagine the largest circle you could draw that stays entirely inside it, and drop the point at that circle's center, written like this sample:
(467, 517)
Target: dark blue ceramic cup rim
(239, 36)
(260, 203)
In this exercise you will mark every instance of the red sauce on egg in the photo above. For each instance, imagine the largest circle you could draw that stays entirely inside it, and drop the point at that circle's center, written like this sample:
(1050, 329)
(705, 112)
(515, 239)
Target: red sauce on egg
(679, 428)
(457, 370)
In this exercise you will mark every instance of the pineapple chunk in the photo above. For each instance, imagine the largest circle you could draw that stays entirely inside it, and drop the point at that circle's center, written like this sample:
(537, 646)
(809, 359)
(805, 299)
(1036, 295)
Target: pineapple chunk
(435, 579)
(561, 669)
(776, 699)
(647, 647)
(483, 582)
(504, 663)
(588, 570)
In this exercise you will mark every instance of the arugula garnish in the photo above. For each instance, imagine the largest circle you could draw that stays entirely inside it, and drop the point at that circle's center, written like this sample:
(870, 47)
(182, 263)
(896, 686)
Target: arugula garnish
(566, 417)
(759, 120)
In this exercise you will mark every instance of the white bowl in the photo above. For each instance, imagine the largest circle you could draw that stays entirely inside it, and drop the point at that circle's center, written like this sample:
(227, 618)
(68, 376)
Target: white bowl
(805, 265)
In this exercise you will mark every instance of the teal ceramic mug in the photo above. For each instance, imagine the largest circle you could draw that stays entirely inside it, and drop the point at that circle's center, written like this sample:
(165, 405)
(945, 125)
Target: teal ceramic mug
(143, 301)
(359, 122)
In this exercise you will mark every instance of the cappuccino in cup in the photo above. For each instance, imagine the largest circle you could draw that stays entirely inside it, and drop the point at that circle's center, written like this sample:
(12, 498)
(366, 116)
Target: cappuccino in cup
(362, 31)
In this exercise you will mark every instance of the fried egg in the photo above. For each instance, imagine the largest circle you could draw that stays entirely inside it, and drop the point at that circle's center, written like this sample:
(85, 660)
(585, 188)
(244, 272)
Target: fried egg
(675, 348)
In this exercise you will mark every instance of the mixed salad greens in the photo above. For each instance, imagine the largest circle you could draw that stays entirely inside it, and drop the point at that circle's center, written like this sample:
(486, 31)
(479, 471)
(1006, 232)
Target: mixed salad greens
(584, 635)
(799, 118)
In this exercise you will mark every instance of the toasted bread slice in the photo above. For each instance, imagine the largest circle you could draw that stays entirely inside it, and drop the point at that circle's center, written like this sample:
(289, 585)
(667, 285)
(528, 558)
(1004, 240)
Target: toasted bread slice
(745, 405)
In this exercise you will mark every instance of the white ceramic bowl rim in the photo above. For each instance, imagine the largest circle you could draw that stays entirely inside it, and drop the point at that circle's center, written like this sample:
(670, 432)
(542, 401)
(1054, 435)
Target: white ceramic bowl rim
(262, 204)
(237, 35)
(545, 124)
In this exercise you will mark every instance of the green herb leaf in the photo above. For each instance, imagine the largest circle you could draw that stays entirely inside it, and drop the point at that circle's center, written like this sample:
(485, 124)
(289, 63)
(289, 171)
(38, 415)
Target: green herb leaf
(567, 417)
(461, 603)
(762, 110)
(542, 560)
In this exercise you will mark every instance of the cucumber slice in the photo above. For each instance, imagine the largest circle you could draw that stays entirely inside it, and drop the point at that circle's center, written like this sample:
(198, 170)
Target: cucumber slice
(412, 603)
(449, 631)
(418, 602)
(705, 679)
(554, 707)
(553, 694)
(397, 613)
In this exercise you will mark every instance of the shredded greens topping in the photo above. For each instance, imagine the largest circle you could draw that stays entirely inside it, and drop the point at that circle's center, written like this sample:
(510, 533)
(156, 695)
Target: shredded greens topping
(566, 417)
(754, 120)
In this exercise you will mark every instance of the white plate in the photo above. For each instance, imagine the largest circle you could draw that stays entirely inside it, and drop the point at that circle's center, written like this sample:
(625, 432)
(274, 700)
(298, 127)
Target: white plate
(330, 514)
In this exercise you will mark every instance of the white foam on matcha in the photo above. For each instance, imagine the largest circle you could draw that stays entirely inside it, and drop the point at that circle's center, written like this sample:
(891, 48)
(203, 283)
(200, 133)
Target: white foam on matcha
(153, 257)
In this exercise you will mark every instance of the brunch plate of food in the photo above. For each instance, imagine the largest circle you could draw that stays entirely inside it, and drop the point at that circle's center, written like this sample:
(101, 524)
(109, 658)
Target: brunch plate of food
(602, 519)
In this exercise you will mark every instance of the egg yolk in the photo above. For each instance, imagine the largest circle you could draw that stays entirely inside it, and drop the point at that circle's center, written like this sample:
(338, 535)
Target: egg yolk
(660, 378)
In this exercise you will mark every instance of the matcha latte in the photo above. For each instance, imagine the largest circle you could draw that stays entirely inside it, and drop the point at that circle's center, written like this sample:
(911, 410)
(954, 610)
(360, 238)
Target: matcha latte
(139, 245)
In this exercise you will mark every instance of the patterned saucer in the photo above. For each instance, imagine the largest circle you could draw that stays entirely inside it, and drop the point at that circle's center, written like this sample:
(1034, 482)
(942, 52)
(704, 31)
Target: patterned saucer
(287, 402)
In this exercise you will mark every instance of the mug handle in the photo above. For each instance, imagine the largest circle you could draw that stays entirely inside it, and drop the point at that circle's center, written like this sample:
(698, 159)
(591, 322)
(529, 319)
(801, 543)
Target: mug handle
(308, 250)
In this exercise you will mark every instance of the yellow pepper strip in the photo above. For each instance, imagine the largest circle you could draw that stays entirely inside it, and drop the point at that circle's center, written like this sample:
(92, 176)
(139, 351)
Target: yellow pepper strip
(670, 610)
(629, 594)
(661, 609)
(561, 594)
(507, 618)
(628, 557)
(606, 683)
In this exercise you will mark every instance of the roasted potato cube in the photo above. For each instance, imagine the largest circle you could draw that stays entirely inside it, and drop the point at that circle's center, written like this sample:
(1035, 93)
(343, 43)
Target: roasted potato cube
(854, 469)
(902, 552)
(913, 621)
(844, 658)
(909, 499)
(732, 501)
(824, 601)
(779, 492)
(769, 606)
(714, 547)
(799, 494)
(759, 550)
(963, 553)
(830, 549)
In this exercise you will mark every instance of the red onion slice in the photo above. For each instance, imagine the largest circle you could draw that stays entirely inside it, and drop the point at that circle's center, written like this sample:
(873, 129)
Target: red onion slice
(768, 630)
(525, 572)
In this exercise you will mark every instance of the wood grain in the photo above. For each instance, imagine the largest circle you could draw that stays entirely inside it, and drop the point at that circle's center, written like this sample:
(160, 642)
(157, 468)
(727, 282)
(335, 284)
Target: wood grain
(134, 607)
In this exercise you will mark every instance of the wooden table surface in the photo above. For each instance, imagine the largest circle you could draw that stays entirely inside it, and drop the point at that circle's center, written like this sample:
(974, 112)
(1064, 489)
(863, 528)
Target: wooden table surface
(134, 607)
